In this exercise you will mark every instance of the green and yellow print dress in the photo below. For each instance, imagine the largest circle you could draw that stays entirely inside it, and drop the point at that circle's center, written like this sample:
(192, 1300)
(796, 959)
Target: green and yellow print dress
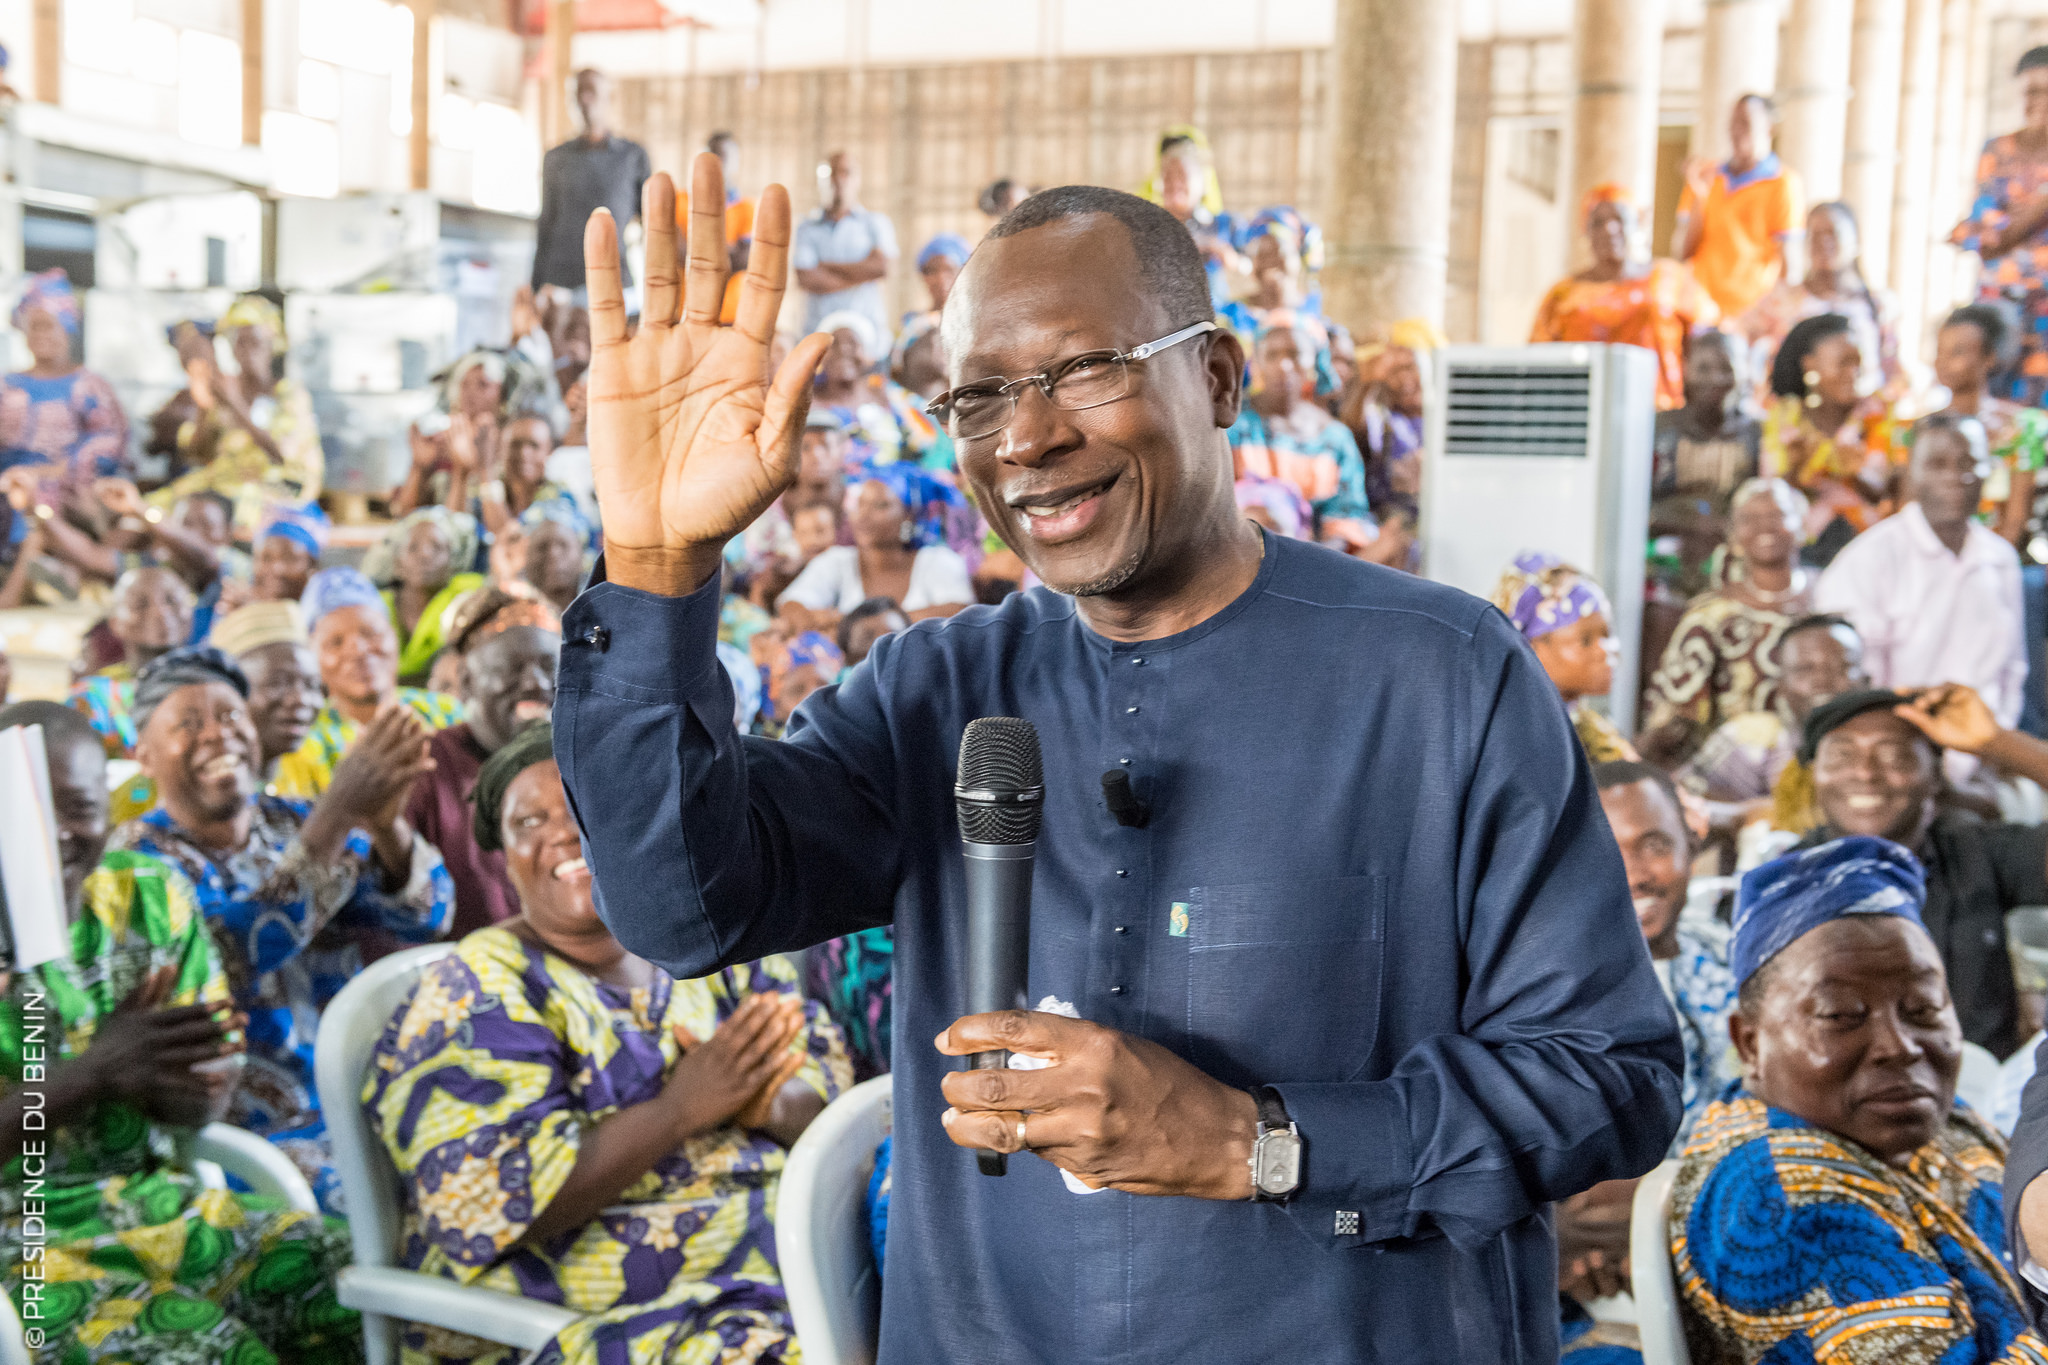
(141, 1263)
(483, 1086)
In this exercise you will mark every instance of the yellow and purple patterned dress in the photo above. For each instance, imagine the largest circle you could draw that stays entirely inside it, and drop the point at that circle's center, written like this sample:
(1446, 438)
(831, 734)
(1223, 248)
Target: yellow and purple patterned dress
(482, 1087)
(140, 1262)
(1792, 1243)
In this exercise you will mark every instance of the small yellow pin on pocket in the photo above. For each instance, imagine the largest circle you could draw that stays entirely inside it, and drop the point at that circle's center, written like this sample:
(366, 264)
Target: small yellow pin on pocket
(1177, 920)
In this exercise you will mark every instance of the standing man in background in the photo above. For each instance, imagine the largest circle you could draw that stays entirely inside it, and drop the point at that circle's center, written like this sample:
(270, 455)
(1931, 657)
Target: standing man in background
(1735, 219)
(594, 170)
(739, 217)
(842, 251)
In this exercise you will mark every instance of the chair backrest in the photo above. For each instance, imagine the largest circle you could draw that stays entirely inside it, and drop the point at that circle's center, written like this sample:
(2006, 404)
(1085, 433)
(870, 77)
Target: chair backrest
(1977, 1086)
(821, 1228)
(1659, 1325)
(349, 1029)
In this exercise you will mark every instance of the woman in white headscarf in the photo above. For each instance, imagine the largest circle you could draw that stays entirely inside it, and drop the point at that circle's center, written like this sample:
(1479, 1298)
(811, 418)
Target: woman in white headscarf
(882, 421)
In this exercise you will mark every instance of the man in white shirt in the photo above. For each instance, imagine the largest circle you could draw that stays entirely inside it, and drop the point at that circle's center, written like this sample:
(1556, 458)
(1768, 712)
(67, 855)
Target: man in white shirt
(842, 251)
(1935, 596)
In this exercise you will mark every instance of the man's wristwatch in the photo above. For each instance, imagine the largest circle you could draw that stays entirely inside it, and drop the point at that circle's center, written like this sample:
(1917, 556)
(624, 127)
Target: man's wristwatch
(1276, 1154)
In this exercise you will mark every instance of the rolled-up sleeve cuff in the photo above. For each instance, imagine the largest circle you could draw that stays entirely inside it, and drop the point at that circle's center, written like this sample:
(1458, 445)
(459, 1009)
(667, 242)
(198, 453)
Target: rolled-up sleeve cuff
(1357, 1169)
(639, 646)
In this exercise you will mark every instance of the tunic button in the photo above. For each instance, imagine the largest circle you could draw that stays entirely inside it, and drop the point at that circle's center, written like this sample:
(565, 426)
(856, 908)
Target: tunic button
(1123, 872)
(1116, 990)
(598, 638)
(1123, 928)
(1125, 761)
(1130, 710)
(1139, 662)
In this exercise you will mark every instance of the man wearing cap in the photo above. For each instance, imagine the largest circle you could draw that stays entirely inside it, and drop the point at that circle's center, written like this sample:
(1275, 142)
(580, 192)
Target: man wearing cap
(269, 641)
(1876, 761)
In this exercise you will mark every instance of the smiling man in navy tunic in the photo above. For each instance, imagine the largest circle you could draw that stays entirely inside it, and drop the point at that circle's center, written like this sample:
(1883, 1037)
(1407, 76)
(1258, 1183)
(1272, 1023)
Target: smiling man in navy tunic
(1375, 900)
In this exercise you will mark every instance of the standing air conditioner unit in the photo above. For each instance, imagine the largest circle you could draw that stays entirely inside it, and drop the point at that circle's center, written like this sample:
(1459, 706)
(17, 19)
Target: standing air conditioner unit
(1544, 447)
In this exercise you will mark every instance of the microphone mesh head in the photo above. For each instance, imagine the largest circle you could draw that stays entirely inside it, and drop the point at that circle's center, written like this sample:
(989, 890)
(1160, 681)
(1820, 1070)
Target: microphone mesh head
(999, 755)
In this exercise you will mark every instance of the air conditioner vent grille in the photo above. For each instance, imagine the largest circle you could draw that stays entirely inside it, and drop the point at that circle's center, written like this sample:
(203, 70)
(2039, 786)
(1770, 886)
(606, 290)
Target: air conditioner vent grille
(1518, 410)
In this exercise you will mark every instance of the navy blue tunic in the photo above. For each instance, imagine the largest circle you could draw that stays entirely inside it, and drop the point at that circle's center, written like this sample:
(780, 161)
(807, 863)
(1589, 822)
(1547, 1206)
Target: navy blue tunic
(1376, 876)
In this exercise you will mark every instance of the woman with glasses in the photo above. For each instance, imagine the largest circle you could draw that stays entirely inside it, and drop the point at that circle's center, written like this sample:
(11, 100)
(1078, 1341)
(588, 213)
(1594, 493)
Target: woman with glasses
(1283, 433)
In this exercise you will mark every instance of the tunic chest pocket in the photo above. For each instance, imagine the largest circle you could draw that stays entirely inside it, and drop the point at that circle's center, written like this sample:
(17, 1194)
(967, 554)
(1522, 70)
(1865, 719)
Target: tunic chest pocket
(1284, 978)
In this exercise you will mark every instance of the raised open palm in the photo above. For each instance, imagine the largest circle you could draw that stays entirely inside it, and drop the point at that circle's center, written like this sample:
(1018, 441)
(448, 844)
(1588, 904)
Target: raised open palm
(689, 443)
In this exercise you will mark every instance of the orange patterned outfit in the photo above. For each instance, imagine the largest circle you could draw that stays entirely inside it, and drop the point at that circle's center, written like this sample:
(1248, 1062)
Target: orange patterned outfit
(1655, 310)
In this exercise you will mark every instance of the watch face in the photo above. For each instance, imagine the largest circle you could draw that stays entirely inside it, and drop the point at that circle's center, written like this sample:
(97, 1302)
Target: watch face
(1276, 1163)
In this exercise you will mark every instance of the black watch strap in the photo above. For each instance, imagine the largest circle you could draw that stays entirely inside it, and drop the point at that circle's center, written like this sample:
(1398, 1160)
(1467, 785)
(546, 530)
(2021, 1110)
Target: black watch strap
(1272, 1109)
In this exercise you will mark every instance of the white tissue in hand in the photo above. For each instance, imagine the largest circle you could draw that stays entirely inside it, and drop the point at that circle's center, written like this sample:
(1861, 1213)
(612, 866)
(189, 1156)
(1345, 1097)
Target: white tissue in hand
(1020, 1062)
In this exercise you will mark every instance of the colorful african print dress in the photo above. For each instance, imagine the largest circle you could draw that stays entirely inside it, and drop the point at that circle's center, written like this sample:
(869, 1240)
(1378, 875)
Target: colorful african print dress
(239, 469)
(1792, 1243)
(1702, 991)
(2019, 445)
(289, 931)
(140, 1262)
(1721, 662)
(73, 423)
(306, 770)
(427, 633)
(2008, 175)
(482, 1087)
(1837, 459)
(1326, 469)
(852, 978)
(887, 424)
(1653, 310)
(107, 700)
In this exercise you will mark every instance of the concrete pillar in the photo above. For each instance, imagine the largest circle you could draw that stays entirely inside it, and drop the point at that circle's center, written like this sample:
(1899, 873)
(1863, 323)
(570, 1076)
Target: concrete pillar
(556, 67)
(1912, 191)
(1870, 157)
(1617, 50)
(1813, 93)
(1738, 56)
(420, 142)
(47, 20)
(1393, 111)
(252, 72)
(1462, 311)
(1951, 182)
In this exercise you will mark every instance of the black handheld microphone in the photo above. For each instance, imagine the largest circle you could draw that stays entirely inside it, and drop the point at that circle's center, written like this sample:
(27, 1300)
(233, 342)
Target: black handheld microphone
(1000, 793)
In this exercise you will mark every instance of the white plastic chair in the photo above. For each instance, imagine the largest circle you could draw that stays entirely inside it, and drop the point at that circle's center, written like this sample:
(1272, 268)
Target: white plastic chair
(382, 1292)
(1978, 1084)
(221, 1149)
(821, 1228)
(218, 1150)
(1659, 1325)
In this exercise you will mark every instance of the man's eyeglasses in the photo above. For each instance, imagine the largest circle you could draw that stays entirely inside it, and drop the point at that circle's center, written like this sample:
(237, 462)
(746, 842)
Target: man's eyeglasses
(1088, 380)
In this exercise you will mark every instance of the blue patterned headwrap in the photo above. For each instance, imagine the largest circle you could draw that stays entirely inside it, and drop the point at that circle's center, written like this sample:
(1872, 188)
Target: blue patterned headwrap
(1786, 898)
(305, 527)
(49, 290)
(1541, 593)
(950, 245)
(563, 511)
(332, 589)
(1283, 221)
(816, 650)
(925, 496)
